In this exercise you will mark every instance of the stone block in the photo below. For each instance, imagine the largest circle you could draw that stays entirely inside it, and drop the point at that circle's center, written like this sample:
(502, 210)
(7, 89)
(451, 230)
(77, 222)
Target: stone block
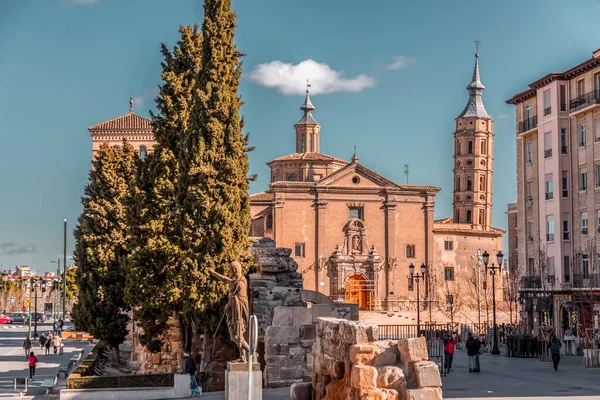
(236, 382)
(391, 394)
(301, 391)
(363, 377)
(385, 354)
(412, 350)
(303, 316)
(424, 394)
(391, 377)
(281, 335)
(291, 373)
(370, 394)
(336, 369)
(372, 333)
(283, 316)
(362, 353)
(352, 332)
(425, 374)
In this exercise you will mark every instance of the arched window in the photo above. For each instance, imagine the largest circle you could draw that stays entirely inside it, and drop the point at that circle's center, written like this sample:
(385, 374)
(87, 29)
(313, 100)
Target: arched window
(481, 217)
(143, 152)
(470, 151)
(457, 150)
(469, 220)
(482, 182)
(310, 143)
(483, 146)
(292, 178)
(469, 184)
(303, 144)
(457, 188)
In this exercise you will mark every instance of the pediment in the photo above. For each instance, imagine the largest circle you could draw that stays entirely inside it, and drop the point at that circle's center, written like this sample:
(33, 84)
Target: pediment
(356, 175)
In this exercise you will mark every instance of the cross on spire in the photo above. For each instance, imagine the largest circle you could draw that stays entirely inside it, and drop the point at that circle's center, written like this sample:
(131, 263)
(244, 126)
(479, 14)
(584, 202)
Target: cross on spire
(477, 47)
(131, 104)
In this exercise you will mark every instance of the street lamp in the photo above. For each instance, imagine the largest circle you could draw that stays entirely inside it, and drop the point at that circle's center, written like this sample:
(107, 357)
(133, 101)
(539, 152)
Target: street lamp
(35, 283)
(57, 315)
(423, 273)
(493, 269)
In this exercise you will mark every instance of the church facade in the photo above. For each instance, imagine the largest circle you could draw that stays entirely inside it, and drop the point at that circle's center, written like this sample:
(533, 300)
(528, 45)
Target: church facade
(354, 233)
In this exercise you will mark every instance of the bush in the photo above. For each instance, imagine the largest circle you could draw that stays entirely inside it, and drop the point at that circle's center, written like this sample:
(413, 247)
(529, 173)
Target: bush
(126, 381)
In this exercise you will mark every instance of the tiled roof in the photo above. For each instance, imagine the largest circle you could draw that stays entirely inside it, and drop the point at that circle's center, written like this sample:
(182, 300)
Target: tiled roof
(310, 157)
(262, 196)
(127, 122)
(448, 226)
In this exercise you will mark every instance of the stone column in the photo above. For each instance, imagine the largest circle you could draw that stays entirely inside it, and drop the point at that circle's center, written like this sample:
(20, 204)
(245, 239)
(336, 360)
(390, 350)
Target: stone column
(390, 241)
(429, 239)
(319, 227)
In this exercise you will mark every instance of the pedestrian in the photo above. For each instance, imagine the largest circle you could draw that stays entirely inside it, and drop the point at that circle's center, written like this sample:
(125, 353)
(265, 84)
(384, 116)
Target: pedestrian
(190, 368)
(48, 341)
(449, 347)
(473, 346)
(60, 326)
(55, 327)
(555, 346)
(32, 362)
(27, 346)
(56, 342)
(42, 341)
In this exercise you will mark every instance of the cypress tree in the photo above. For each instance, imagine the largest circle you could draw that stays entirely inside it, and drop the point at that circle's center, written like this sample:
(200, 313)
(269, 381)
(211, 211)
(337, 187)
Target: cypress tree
(158, 282)
(101, 247)
(213, 185)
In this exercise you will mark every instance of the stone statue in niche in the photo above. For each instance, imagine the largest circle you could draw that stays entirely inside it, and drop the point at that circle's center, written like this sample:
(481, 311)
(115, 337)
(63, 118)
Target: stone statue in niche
(356, 244)
(355, 238)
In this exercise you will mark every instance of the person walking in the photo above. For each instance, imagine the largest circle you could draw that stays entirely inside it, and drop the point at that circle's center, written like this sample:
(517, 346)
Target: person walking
(60, 326)
(56, 342)
(449, 347)
(555, 346)
(190, 368)
(55, 327)
(473, 346)
(32, 363)
(48, 342)
(42, 341)
(27, 346)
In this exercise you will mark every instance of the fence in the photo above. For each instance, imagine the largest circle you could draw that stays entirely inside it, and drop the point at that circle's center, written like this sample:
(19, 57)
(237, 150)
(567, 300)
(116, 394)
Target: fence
(396, 332)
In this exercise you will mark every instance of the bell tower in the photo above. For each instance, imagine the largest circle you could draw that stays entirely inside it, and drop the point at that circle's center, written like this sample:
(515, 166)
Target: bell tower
(307, 129)
(473, 158)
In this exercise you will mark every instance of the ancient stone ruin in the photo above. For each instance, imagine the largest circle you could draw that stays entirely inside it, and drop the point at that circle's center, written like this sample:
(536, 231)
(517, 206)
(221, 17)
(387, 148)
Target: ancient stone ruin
(350, 363)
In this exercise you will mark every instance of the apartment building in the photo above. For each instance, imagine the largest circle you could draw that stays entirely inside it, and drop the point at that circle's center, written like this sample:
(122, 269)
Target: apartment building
(558, 197)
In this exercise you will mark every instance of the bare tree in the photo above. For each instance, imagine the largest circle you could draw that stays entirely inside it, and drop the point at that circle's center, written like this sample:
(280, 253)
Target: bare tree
(511, 284)
(451, 297)
(475, 294)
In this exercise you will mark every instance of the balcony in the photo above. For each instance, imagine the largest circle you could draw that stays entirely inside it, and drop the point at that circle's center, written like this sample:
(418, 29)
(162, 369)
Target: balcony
(548, 153)
(528, 124)
(585, 281)
(547, 111)
(549, 195)
(583, 102)
(549, 237)
(531, 282)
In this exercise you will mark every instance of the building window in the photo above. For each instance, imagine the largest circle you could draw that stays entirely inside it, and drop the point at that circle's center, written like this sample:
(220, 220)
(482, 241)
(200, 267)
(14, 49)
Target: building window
(355, 212)
(481, 217)
(563, 98)
(529, 152)
(469, 217)
(292, 178)
(597, 85)
(580, 88)
(528, 113)
(584, 222)
(310, 143)
(530, 267)
(581, 130)
(547, 102)
(565, 184)
(567, 268)
(269, 222)
(143, 152)
(597, 129)
(482, 182)
(449, 299)
(564, 142)
(483, 146)
(457, 151)
(547, 144)
(299, 249)
(449, 273)
(470, 147)
(598, 220)
(448, 245)
(549, 187)
(549, 228)
(585, 266)
(410, 251)
(457, 188)
(565, 227)
(410, 284)
(530, 230)
(303, 145)
(528, 192)
(583, 179)
(469, 184)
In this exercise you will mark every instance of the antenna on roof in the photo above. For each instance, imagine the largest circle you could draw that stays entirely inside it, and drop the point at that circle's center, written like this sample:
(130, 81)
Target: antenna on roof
(406, 172)
(355, 157)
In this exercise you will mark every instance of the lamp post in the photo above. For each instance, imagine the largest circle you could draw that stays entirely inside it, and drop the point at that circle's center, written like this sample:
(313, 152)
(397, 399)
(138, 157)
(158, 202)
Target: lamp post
(35, 313)
(423, 273)
(57, 313)
(31, 286)
(493, 268)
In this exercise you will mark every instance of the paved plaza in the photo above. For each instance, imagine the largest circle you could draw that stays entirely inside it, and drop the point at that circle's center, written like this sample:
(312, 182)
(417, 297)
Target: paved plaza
(13, 363)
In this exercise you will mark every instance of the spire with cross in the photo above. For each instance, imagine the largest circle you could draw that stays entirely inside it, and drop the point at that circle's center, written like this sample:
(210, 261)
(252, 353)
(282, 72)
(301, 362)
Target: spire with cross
(474, 107)
(477, 47)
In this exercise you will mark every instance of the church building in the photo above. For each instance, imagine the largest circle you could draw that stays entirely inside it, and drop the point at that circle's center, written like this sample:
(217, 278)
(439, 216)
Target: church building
(354, 232)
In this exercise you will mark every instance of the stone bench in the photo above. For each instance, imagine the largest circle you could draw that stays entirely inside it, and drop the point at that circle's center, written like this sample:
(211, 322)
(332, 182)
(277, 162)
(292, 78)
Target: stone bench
(66, 370)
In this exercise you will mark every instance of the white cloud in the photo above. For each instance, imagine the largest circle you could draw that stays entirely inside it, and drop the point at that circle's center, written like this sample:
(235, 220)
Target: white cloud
(148, 94)
(81, 2)
(401, 62)
(504, 116)
(290, 79)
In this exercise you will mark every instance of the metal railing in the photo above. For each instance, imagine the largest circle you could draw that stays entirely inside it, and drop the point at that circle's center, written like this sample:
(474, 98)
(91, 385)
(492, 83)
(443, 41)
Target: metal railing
(585, 281)
(584, 101)
(548, 153)
(397, 332)
(547, 111)
(528, 124)
(531, 282)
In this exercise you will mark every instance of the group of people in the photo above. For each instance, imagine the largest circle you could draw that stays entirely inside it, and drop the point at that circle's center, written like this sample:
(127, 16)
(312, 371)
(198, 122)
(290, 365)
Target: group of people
(45, 341)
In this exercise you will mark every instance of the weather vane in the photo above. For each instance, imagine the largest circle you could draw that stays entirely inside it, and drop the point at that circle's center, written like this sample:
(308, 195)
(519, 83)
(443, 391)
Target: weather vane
(477, 46)
(308, 85)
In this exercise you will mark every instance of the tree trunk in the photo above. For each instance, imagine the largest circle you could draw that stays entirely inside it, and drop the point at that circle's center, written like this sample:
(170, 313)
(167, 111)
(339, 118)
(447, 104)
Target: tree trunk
(116, 356)
(208, 345)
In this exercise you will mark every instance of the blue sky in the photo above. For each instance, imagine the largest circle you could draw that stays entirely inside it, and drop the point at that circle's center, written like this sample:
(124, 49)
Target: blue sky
(69, 64)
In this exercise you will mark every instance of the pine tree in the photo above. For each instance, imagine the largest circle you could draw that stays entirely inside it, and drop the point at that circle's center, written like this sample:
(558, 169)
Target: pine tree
(213, 187)
(158, 282)
(101, 247)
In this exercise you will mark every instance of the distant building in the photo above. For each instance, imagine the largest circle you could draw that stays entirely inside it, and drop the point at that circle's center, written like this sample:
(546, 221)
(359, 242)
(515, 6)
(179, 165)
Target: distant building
(558, 209)
(135, 128)
(23, 271)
